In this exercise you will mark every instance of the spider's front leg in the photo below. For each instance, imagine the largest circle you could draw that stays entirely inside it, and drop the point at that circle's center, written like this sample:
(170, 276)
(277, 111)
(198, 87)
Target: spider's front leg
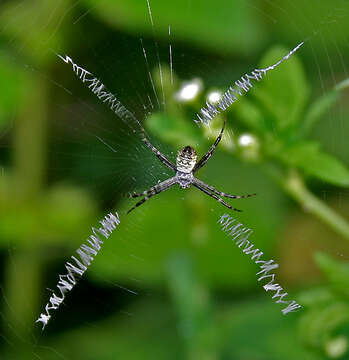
(157, 153)
(210, 152)
(134, 195)
(157, 189)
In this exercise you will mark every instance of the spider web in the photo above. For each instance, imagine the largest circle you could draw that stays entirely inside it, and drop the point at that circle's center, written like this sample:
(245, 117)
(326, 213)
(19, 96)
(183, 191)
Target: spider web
(98, 151)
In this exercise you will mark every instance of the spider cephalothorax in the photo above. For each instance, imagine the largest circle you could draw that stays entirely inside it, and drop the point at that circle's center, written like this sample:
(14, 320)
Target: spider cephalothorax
(186, 166)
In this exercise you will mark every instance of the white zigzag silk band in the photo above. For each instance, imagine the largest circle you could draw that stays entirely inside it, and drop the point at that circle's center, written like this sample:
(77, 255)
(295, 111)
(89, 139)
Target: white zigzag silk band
(240, 234)
(240, 87)
(205, 115)
(77, 267)
(102, 93)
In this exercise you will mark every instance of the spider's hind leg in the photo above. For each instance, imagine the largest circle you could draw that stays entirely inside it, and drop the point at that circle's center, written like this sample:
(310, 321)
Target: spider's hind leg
(204, 189)
(140, 203)
(220, 193)
(234, 196)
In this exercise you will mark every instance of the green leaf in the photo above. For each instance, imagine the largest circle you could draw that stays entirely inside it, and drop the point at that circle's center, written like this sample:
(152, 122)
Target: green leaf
(249, 114)
(316, 296)
(39, 35)
(285, 91)
(310, 158)
(337, 272)
(318, 109)
(320, 324)
(321, 105)
(177, 132)
(194, 23)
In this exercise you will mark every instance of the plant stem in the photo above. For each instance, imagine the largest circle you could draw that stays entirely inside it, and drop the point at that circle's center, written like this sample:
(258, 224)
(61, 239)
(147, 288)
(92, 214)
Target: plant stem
(294, 186)
(23, 268)
(21, 305)
(29, 141)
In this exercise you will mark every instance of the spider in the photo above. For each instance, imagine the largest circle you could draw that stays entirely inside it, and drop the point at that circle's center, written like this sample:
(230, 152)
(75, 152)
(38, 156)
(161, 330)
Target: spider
(186, 167)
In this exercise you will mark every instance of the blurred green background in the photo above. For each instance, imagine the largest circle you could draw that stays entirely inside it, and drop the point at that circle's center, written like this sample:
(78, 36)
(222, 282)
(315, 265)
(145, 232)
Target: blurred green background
(169, 284)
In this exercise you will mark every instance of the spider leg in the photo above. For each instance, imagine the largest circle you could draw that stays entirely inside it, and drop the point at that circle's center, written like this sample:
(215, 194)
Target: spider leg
(209, 153)
(158, 154)
(206, 191)
(134, 195)
(212, 189)
(154, 190)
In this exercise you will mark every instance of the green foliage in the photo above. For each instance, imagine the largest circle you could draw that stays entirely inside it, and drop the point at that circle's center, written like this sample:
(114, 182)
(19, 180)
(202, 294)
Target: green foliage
(62, 215)
(13, 85)
(192, 27)
(36, 37)
(336, 272)
(201, 288)
(283, 94)
(283, 122)
(279, 113)
(308, 156)
(191, 325)
(170, 128)
(318, 109)
(324, 325)
(278, 118)
(196, 323)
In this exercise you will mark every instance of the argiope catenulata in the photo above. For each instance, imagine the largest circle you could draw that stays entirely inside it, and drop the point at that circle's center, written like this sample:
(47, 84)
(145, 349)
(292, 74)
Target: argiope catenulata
(186, 167)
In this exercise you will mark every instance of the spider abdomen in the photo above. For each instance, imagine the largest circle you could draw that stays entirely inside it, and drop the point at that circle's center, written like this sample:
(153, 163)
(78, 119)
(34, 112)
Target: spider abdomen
(186, 160)
(184, 179)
